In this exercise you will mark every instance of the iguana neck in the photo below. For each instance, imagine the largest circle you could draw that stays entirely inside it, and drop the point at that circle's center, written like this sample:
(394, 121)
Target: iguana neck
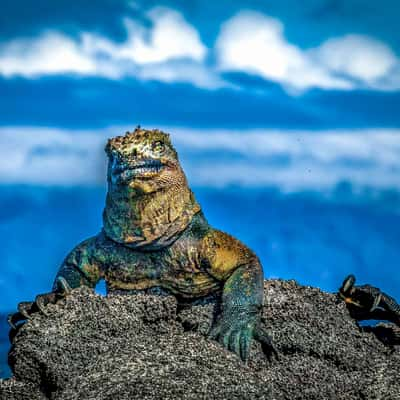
(148, 221)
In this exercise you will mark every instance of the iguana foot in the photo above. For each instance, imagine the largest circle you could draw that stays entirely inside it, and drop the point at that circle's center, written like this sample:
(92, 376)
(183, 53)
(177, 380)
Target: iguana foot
(236, 330)
(27, 308)
(24, 311)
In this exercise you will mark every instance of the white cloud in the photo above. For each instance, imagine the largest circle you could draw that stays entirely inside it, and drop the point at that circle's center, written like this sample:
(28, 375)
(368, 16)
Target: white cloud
(254, 43)
(51, 156)
(169, 50)
(358, 56)
(292, 160)
(170, 38)
(50, 53)
(288, 160)
(243, 37)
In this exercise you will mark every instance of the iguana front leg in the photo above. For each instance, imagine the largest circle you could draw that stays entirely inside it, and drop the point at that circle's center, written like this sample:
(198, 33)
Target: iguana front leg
(241, 308)
(242, 296)
(78, 269)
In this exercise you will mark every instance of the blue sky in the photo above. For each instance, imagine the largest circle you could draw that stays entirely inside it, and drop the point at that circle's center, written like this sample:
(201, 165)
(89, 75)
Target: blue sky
(325, 73)
(296, 97)
(318, 65)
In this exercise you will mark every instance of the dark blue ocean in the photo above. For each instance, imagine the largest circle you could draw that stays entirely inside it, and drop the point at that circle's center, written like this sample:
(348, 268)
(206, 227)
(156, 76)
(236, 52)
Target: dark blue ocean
(314, 238)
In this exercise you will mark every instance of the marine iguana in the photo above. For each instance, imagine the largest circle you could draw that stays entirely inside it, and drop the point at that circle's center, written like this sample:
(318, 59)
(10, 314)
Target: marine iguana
(156, 238)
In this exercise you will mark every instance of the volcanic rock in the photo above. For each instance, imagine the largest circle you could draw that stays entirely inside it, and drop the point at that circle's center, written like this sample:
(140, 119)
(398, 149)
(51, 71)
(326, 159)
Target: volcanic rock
(150, 347)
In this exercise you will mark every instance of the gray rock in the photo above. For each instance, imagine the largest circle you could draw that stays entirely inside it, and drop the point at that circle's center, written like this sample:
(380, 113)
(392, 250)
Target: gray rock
(149, 347)
(12, 389)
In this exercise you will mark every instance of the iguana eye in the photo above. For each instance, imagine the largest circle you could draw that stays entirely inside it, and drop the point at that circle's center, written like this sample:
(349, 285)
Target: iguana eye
(158, 146)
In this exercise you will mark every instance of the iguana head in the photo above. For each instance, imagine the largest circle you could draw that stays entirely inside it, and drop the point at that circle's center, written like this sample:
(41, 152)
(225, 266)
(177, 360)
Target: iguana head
(148, 201)
(143, 159)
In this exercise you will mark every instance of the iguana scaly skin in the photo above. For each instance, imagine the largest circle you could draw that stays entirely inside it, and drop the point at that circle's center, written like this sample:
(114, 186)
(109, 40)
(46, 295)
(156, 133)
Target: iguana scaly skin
(155, 237)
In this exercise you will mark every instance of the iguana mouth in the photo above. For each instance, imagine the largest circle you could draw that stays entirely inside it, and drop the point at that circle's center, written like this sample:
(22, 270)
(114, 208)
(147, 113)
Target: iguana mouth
(142, 168)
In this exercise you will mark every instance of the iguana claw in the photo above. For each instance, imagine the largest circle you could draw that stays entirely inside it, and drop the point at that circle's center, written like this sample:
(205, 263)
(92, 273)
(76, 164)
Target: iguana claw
(236, 334)
(23, 313)
(27, 308)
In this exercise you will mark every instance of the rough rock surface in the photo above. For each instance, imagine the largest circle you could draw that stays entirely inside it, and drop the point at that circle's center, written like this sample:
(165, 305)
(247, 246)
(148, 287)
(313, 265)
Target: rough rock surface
(147, 347)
